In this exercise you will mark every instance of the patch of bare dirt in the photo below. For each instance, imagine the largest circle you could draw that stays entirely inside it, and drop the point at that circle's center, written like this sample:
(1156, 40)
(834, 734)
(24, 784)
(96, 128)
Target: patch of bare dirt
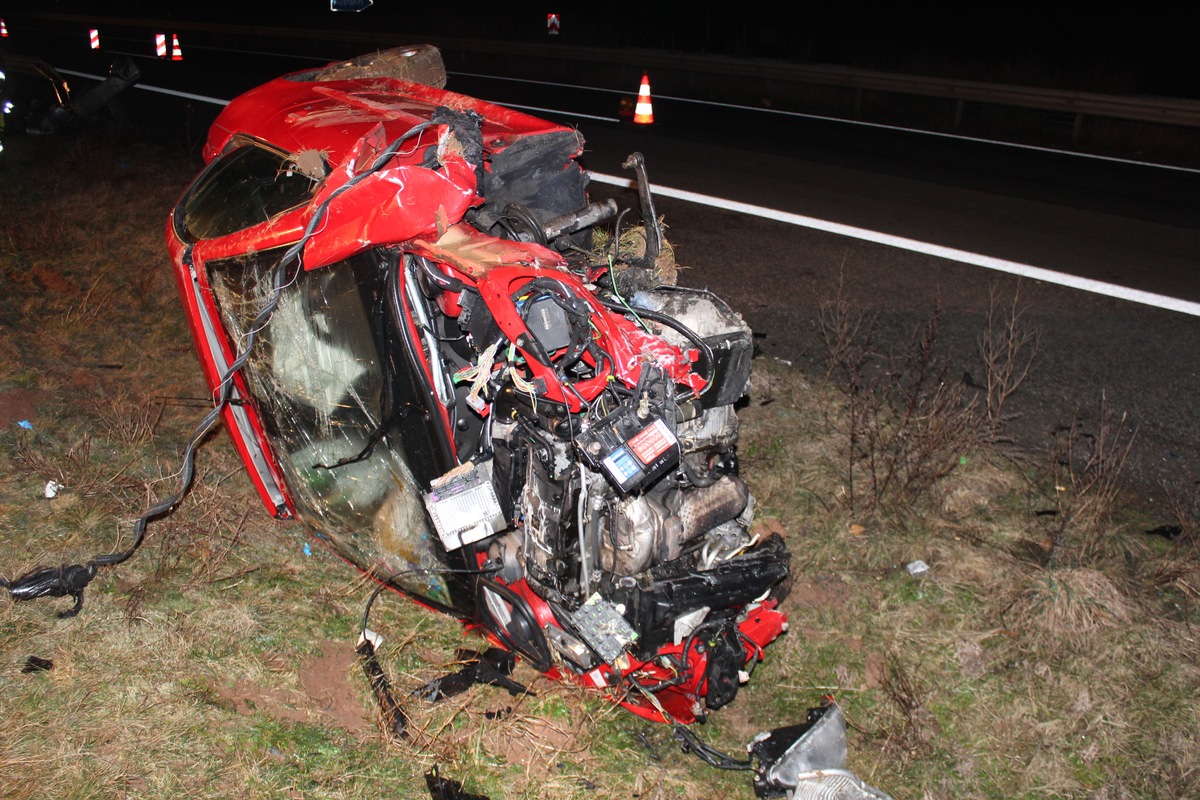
(326, 695)
(766, 526)
(821, 592)
(17, 405)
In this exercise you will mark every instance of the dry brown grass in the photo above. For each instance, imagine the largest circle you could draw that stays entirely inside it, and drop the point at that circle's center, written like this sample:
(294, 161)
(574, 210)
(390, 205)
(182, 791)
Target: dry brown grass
(1069, 606)
(1008, 347)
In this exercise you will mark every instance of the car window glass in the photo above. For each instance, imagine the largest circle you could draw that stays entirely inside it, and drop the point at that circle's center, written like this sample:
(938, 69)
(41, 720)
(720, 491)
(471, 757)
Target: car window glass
(245, 187)
(318, 379)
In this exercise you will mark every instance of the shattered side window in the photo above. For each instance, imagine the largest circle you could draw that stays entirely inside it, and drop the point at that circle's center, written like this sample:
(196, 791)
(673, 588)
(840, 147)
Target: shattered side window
(244, 187)
(319, 385)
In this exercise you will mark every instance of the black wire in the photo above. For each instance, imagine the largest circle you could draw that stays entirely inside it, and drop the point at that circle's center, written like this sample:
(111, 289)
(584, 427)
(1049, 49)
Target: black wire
(687, 644)
(692, 743)
(616, 248)
(387, 583)
(680, 677)
(707, 753)
(710, 369)
(188, 470)
(377, 436)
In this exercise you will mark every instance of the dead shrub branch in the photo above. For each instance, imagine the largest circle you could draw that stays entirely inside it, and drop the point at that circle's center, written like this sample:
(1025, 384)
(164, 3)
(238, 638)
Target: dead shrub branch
(1008, 347)
(1086, 466)
(907, 425)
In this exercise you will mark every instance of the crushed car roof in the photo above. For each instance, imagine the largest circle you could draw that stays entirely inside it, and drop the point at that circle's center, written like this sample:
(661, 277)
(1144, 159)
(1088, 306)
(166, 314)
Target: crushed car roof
(297, 114)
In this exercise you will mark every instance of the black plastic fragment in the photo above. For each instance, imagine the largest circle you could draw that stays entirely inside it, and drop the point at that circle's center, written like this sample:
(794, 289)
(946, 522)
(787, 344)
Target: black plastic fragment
(725, 659)
(53, 582)
(1168, 532)
(35, 664)
(491, 667)
(447, 789)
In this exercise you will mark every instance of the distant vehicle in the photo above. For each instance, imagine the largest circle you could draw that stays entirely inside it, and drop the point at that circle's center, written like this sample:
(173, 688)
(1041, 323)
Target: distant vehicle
(38, 100)
(33, 89)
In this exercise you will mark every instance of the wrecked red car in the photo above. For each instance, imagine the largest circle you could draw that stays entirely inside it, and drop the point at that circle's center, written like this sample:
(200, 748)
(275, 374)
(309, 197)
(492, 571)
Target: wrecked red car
(462, 390)
(487, 393)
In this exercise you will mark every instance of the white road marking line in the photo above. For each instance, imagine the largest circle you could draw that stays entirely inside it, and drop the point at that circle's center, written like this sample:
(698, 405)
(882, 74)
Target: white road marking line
(939, 134)
(186, 95)
(939, 251)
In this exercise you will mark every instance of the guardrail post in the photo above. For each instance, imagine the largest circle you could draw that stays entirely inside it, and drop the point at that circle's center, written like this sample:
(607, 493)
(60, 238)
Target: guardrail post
(1077, 129)
(958, 112)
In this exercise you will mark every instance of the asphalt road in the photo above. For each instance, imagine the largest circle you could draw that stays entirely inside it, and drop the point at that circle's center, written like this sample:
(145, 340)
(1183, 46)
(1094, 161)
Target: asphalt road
(1130, 225)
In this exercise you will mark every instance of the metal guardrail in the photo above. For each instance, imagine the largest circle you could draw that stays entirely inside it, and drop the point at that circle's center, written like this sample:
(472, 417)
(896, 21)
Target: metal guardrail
(1161, 110)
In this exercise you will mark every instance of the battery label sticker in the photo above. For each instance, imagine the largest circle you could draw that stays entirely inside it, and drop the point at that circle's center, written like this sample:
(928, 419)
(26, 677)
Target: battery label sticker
(652, 441)
(622, 466)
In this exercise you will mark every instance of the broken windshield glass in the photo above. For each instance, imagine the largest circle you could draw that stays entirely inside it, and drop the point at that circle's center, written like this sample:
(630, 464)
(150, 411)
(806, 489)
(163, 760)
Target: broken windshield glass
(329, 410)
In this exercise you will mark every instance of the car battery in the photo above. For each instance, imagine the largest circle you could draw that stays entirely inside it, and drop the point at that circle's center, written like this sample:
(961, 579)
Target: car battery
(632, 451)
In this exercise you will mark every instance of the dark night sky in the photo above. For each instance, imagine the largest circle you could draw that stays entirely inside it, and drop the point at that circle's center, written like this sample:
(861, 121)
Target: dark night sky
(1147, 49)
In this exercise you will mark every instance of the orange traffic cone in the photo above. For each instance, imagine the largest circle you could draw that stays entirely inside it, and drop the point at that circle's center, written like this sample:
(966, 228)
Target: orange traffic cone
(176, 50)
(643, 113)
(3, 28)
